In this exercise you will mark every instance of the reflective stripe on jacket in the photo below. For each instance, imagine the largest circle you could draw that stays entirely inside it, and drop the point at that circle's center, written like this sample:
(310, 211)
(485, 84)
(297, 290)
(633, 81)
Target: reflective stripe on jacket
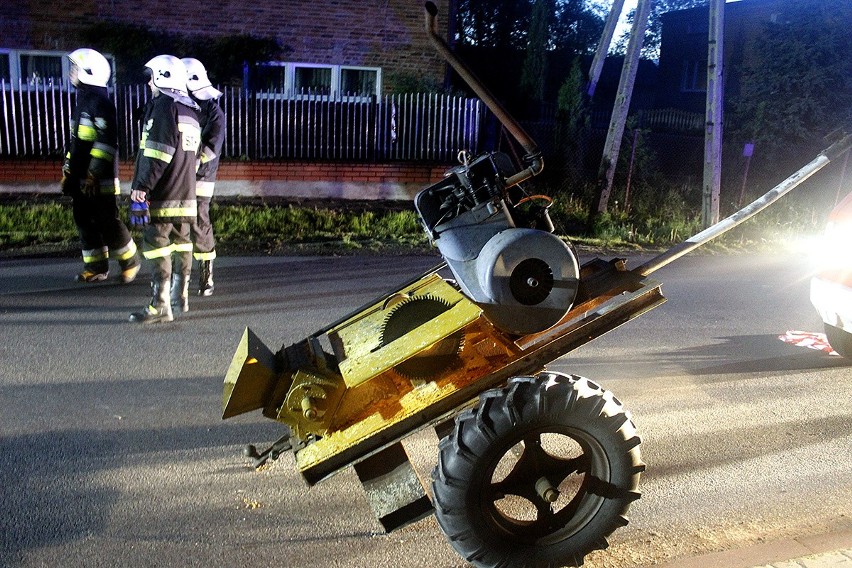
(204, 189)
(212, 120)
(93, 147)
(165, 163)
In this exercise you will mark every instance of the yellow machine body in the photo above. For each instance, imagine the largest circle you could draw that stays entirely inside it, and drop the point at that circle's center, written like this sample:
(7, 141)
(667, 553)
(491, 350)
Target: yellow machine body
(417, 357)
(350, 390)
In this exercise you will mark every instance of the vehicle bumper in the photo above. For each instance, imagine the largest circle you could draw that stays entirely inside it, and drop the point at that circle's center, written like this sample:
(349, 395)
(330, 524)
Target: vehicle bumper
(833, 301)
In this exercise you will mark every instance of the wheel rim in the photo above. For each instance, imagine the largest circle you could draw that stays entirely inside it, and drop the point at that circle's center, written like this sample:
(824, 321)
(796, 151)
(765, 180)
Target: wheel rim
(518, 503)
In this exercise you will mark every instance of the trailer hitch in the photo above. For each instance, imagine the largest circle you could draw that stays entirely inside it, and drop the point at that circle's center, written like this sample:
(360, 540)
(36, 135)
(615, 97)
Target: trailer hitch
(281, 445)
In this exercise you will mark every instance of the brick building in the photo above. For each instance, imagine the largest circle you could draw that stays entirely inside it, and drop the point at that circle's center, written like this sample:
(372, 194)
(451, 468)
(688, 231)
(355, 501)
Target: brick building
(329, 46)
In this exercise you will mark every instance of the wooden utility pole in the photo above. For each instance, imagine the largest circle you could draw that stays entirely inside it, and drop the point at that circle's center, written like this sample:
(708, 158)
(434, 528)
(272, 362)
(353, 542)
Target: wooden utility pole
(606, 172)
(603, 46)
(715, 103)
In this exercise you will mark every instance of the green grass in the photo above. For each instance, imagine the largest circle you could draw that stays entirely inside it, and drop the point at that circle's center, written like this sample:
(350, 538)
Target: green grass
(257, 227)
(28, 223)
(270, 227)
(663, 217)
(261, 223)
(238, 226)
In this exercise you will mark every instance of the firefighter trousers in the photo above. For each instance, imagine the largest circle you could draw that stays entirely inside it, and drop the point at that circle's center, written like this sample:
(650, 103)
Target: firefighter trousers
(169, 248)
(102, 233)
(204, 243)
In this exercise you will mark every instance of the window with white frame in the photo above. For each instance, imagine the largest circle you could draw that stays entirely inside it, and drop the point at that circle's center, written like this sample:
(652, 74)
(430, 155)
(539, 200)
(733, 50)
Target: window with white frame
(306, 80)
(359, 81)
(312, 80)
(271, 77)
(36, 68)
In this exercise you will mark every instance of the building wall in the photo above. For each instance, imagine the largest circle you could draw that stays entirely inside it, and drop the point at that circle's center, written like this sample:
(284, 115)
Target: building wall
(301, 179)
(375, 33)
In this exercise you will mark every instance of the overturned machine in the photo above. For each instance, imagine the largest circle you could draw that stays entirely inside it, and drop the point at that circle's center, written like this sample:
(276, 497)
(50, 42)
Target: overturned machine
(535, 468)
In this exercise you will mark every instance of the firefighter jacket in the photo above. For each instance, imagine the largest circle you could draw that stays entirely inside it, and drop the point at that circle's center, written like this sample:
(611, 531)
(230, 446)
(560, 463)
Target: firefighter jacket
(92, 151)
(165, 162)
(212, 120)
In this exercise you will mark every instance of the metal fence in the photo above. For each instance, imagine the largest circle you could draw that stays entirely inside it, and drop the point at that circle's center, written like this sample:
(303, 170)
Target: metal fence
(33, 120)
(265, 124)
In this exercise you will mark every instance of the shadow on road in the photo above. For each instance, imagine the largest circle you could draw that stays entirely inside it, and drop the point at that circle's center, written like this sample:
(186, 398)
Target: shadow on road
(47, 497)
(758, 354)
(745, 444)
(731, 355)
(62, 485)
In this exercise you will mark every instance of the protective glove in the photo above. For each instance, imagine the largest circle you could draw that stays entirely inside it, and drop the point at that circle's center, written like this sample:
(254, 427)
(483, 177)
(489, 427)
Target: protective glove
(90, 187)
(139, 215)
(69, 186)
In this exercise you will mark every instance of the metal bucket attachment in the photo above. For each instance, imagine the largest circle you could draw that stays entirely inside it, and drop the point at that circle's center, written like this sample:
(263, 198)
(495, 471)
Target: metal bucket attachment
(393, 489)
(250, 378)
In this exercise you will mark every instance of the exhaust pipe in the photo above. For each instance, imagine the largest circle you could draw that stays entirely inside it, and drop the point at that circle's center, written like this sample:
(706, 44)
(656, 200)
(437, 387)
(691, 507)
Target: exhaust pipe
(533, 155)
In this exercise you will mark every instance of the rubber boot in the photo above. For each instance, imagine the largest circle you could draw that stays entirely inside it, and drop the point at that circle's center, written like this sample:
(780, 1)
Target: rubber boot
(92, 276)
(129, 269)
(159, 310)
(128, 273)
(205, 279)
(180, 292)
(93, 273)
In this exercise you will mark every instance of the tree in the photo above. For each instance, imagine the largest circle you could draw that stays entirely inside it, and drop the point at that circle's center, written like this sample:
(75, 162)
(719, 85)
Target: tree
(493, 23)
(572, 24)
(530, 43)
(577, 27)
(572, 118)
(796, 81)
(535, 64)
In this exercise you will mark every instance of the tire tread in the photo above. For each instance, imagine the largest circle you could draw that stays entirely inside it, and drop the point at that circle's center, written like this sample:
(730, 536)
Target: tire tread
(530, 402)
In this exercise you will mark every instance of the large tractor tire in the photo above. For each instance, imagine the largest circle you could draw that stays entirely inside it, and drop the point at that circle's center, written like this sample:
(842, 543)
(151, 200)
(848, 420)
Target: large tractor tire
(538, 474)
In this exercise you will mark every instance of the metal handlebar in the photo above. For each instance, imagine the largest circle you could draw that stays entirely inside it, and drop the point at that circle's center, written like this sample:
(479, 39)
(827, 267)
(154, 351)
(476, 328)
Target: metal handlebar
(831, 153)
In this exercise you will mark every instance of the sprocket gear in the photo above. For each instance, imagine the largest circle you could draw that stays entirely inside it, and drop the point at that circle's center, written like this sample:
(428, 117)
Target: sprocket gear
(407, 316)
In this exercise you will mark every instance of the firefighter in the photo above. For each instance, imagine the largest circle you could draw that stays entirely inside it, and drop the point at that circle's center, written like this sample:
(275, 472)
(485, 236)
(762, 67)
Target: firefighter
(163, 187)
(90, 172)
(212, 121)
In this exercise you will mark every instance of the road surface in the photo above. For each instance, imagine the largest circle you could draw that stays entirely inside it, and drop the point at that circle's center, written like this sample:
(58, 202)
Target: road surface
(113, 452)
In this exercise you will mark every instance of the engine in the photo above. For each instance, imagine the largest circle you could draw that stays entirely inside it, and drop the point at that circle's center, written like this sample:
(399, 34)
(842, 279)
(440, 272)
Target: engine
(498, 242)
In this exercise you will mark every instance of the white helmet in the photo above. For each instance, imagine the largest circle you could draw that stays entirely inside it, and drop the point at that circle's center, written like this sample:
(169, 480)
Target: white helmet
(92, 67)
(197, 81)
(168, 73)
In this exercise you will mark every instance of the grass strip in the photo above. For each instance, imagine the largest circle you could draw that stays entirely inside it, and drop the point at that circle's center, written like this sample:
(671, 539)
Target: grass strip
(264, 227)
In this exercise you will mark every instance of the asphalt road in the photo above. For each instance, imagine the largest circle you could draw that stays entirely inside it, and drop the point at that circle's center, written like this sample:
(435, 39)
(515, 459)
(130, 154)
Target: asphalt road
(113, 453)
